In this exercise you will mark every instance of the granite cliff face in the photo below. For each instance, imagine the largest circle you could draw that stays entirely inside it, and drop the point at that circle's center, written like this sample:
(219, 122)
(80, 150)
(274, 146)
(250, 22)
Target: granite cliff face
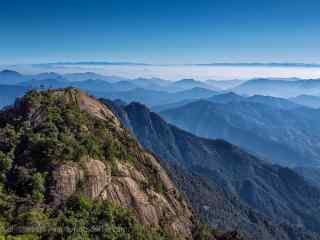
(77, 146)
(126, 189)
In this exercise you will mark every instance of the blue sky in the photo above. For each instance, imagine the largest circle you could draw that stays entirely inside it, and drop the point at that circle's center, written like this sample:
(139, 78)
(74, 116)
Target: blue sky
(165, 31)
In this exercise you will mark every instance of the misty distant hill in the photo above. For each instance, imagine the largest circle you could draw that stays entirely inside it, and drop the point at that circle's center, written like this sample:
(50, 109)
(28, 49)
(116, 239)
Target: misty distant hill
(93, 76)
(8, 94)
(156, 98)
(307, 100)
(10, 77)
(278, 88)
(149, 83)
(274, 102)
(267, 100)
(233, 97)
(184, 84)
(218, 98)
(283, 135)
(224, 84)
(226, 97)
(163, 107)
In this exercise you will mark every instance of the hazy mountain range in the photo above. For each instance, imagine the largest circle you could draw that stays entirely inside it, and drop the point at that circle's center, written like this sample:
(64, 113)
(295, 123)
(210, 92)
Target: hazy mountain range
(226, 186)
(275, 129)
(279, 88)
(307, 100)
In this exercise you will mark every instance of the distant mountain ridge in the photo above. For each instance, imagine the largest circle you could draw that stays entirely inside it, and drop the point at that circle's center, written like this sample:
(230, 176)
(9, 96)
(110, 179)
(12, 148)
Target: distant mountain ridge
(156, 98)
(8, 94)
(224, 84)
(13, 77)
(285, 134)
(185, 84)
(229, 97)
(143, 90)
(10, 77)
(307, 100)
(278, 88)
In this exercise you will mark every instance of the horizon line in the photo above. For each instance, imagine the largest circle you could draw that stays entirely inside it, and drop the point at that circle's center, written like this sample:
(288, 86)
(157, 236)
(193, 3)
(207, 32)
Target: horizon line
(222, 64)
(213, 64)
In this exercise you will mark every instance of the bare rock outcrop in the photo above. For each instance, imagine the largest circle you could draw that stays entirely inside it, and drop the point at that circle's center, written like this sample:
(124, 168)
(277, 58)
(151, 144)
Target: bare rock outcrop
(88, 104)
(152, 208)
(90, 178)
(127, 189)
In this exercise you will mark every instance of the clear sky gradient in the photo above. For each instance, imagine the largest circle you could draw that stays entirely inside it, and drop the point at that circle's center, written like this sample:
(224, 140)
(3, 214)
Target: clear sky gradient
(160, 31)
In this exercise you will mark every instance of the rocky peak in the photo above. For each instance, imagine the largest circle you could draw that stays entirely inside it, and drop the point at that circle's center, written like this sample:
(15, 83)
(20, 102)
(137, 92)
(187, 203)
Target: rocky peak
(10, 72)
(86, 103)
(78, 146)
